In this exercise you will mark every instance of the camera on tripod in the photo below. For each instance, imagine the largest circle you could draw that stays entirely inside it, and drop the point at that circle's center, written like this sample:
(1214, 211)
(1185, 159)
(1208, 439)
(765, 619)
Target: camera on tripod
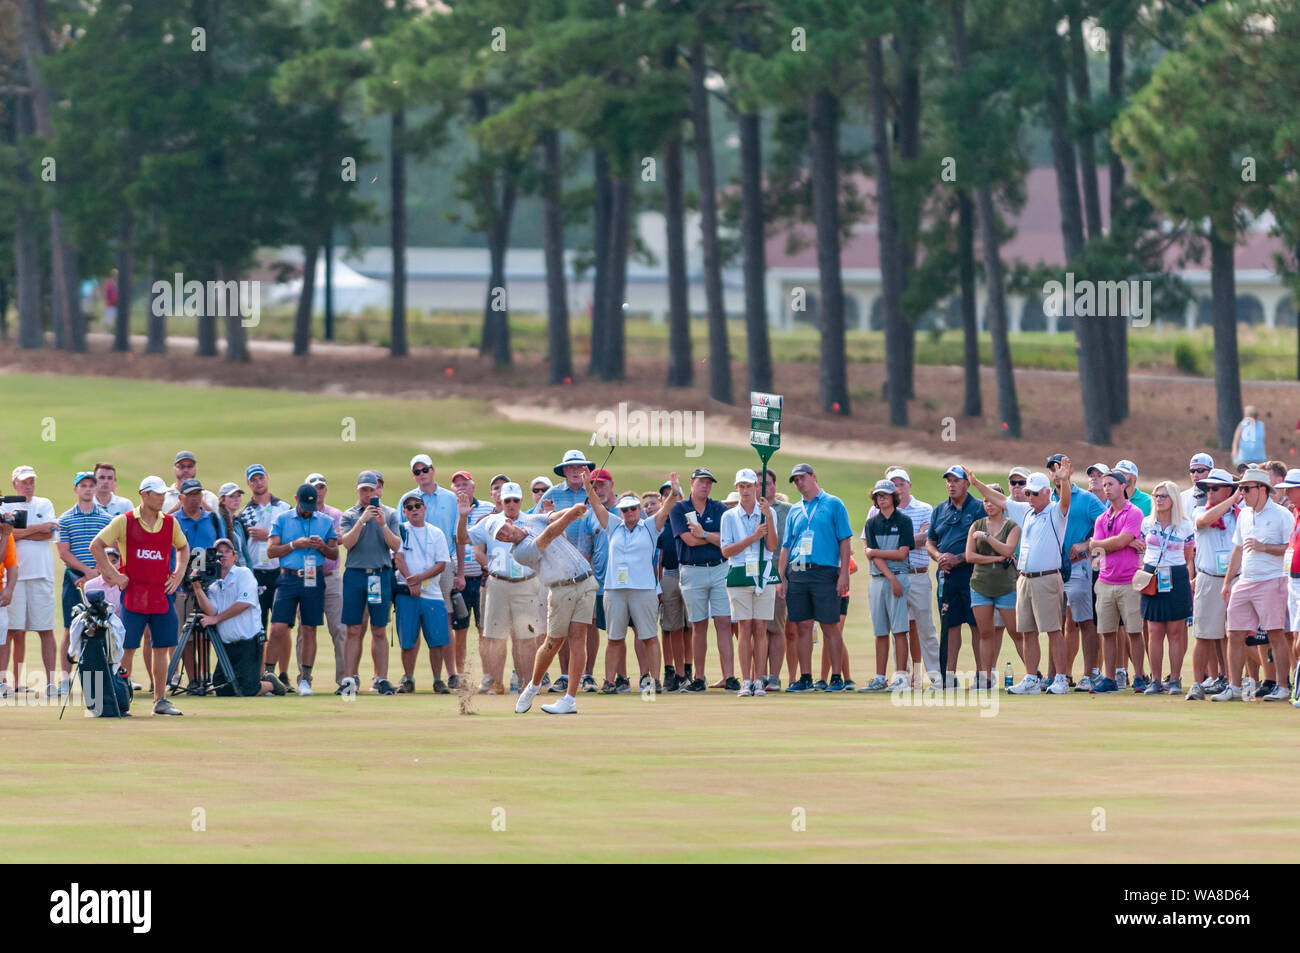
(204, 567)
(17, 520)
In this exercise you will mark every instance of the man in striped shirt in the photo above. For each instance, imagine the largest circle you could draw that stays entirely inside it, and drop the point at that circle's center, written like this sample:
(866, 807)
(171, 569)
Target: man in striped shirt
(77, 527)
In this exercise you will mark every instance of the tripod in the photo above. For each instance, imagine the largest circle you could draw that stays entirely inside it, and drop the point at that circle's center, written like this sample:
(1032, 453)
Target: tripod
(203, 637)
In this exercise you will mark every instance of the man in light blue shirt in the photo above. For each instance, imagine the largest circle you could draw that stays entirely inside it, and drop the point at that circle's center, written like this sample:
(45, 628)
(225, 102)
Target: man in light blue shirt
(440, 510)
(1080, 622)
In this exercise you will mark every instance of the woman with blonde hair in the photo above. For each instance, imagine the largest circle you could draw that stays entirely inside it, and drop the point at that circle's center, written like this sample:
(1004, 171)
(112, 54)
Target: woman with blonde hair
(991, 549)
(1169, 536)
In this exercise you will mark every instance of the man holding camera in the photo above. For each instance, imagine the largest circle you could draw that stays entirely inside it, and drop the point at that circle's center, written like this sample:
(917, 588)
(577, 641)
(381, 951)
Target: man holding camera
(147, 539)
(202, 528)
(370, 534)
(9, 570)
(32, 608)
(231, 605)
(302, 540)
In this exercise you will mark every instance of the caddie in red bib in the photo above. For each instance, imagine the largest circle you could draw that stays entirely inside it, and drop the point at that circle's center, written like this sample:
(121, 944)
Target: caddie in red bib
(147, 541)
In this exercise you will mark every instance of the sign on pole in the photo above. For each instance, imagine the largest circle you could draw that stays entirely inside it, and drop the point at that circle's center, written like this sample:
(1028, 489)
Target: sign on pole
(765, 438)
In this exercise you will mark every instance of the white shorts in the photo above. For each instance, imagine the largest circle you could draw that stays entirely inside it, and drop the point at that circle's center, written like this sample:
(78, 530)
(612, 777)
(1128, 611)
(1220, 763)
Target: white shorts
(1293, 605)
(747, 604)
(32, 608)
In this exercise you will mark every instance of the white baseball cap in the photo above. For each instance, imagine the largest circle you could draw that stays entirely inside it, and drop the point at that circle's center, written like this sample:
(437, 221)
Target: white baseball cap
(1019, 471)
(153, 484)
(541, 479)
(1201, 460)
(316, 479)
(746, 475)
(1127, 467)
(629, 502)
(1037, 483)
(23, 472)
(420, 458)
(1292, 479)
(511, 491)
(897, 472)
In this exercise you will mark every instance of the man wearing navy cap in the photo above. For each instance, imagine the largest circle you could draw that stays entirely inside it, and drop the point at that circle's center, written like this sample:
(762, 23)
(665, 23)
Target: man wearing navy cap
(702, 572)
(946, 544)
(301, 540)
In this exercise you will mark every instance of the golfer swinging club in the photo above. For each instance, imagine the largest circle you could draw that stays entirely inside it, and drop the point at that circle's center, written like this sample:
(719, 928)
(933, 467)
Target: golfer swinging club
(570, 600)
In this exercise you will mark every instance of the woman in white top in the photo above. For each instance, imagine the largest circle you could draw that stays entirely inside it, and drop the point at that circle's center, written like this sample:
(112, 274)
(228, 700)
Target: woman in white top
(1169, 538)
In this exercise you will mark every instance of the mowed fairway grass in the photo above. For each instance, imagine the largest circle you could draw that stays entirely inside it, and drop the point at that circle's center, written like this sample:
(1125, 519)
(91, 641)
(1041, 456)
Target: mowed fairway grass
(714, 777)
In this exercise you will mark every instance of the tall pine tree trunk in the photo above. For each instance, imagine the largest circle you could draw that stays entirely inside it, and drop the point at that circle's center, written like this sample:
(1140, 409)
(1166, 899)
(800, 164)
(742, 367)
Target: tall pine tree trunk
(125, 277)
(823, 112)
(1118, 215)
(621, 215)
(601, 237)
(559, 347)
(397, 346)
(1093, 379)
(719, 349)
(888, 231)
(680, 371)
(1227, 371)
(236, 337)
(157, 316)
(908, 43)
(302, 318)
(973, 405)
(996, 312)
(751, 235)
(27, 254)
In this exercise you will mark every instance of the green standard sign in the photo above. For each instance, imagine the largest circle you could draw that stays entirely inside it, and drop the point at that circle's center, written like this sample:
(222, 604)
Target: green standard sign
(765, 420)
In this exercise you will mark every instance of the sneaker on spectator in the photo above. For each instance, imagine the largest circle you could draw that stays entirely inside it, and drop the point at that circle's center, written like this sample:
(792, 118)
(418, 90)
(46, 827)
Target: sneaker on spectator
(622, 685)
(901, 683)
(696, 686)
(760, 690)
(732, 684)
(1229, 694)
(850, 685)
(1060, 686)
(560, 686)
(1085, 684)
(1209, 683)
(588, 684)
(745, 691)
(1173, 686)
(1027, 686)
(877, 684)
(773, 683)
(1196, 693)
(1153, 687)
(1278, 694)
(607, 688)
(836, 684)
(803, 683)
(304, 687)
(1121, 678)
(1105, 686)
(440, 687)
(644, 685)
(819, 685)
(384, 687)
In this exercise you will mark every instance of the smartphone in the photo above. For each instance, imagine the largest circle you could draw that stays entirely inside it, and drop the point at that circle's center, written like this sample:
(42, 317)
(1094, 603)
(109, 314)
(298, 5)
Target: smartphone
(374, 501)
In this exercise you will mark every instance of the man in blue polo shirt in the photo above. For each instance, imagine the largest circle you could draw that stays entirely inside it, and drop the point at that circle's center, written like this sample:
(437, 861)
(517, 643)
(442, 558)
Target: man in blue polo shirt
(202, 529)
(77, 527)
(946, 544)
(814, 571)
(302, 540)
(1080, 622)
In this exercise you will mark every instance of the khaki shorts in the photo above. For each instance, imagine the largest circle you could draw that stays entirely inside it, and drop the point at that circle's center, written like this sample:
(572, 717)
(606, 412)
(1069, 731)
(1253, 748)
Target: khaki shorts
(1040, 603)
(640, 607)
(568, 604)
(776, 624)
(672, 611)
(1118, 604)
(747, 604)
(1209, 611)
(512, 610)
(32, 608)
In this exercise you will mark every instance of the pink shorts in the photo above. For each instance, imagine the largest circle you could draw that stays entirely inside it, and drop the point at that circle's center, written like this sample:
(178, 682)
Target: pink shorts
(1255, 605)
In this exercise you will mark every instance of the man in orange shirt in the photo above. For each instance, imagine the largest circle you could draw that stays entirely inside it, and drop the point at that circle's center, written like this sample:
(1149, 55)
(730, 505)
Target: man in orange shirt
(9, 561)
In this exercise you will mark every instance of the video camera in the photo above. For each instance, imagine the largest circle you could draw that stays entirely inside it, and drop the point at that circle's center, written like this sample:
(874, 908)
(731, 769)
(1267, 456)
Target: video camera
(17, 520)
(204, 567)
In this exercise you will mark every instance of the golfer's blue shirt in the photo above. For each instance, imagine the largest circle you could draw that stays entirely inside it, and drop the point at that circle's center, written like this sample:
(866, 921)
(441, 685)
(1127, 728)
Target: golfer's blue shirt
(828, 518)
(290, 526)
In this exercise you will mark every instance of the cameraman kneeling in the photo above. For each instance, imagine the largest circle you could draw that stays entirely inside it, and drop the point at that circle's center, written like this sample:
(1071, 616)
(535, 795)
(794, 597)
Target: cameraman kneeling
(231, 604)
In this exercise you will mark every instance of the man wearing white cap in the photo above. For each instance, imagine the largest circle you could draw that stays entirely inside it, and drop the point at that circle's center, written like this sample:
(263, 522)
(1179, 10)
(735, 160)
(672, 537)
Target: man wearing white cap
(1198, 469)
(1095, 474)
(539, 487)
(1256, 583)
(258, 516)
(1040, 590)
(922, 638)
(1216, 523)
(750, 545)
(32, 608)
(511, 612)
(631, 590)
(440, 510)
(1137, 497)
(1017, 479)
(147, 540)
(423, 557)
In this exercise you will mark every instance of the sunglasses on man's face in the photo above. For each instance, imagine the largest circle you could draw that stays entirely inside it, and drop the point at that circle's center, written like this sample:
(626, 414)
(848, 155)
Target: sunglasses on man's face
(413, 505)
(421, 471)
(1019, 482)
(538, 489)
(1198, 469)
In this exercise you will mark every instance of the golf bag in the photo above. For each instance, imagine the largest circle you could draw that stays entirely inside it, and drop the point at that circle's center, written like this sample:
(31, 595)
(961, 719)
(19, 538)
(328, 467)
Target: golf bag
(97, 635)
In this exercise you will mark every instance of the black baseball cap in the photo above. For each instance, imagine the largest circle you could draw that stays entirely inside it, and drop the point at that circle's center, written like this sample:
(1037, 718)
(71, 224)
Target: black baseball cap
(190, 485)
(306, 497)
(801, 468)
(703, 472)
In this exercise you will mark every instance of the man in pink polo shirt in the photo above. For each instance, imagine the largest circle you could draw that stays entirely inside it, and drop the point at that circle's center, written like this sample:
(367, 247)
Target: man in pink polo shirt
(1116, 539)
